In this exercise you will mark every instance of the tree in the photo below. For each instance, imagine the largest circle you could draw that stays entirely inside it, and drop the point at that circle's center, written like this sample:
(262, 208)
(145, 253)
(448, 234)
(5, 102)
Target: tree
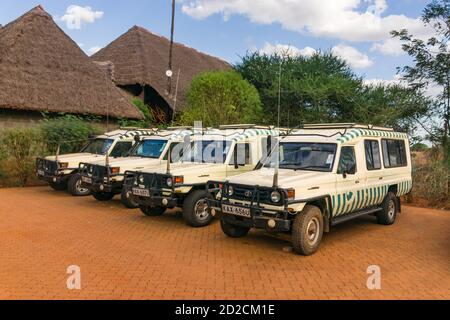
(432, 68)
(323, 88)
(221, 97)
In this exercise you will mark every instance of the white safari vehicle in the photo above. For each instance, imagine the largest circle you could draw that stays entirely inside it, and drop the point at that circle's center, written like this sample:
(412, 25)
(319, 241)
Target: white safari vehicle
(62, 171)
(318, 177)
(105, 177)
(214, 154)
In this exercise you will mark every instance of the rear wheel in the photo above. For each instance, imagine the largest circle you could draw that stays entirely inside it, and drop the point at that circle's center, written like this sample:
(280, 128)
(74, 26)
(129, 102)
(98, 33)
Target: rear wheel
(152, 211)
(127, 199)
(74, 186)
(307, 231)
(58, 186)
(388, 215)
(195, 212)
(233, 231)
(103, 196)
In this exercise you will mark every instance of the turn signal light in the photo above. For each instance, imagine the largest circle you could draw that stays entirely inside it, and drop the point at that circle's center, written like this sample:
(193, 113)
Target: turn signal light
(179, 180)
(291, 194)
(115, 170)
(63, 165)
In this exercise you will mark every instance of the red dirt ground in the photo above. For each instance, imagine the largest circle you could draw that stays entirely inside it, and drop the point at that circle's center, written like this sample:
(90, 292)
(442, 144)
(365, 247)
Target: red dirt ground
(124, 255)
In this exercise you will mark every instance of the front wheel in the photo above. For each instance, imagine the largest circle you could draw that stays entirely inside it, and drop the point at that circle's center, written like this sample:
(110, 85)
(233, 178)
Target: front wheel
(103, 196)
(195, 212)
(233, 231)
(152, 211)
(126, 197)
(58, 186)
(307, 231)
(388, 215)
(74, 186)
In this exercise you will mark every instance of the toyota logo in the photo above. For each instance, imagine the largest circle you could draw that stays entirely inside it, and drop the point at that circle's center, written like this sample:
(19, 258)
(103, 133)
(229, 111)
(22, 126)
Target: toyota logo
(248, 194)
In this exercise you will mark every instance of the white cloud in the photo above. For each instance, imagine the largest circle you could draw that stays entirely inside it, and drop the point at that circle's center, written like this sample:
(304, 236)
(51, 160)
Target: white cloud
(93, 50)
(285, 49)
(389, 47)
(432, 90)
(349, 20)
(354, 58)
(76, 16)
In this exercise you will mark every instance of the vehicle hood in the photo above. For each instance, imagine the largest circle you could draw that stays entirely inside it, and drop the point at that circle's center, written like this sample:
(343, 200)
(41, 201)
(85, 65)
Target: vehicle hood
(130, 163)
(74, 159)
(189, 169)
(286, 178)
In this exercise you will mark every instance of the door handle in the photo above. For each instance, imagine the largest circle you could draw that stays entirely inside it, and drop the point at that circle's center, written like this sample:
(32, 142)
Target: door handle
(357, 181)
(380, 178)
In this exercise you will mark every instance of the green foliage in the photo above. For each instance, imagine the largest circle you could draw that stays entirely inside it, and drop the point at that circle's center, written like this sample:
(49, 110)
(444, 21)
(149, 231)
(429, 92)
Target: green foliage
(221, 97)
(148, 120)
(20, 148)
(69, 131)
(322, 88)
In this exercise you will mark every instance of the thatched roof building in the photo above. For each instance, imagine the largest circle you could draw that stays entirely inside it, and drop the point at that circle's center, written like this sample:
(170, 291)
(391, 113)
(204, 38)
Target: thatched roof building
(42, 69)
(141, 59)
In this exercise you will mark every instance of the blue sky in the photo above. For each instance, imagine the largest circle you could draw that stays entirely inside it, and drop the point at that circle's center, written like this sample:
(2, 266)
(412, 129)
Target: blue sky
(357, 30)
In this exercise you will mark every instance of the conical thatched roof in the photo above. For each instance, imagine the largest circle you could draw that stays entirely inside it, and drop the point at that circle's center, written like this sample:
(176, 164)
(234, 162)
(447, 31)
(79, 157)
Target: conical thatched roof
(141, 57)
(42, 69)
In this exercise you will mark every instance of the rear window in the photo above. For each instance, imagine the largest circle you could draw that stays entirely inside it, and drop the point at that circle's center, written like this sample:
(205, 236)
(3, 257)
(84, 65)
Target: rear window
(394, 153)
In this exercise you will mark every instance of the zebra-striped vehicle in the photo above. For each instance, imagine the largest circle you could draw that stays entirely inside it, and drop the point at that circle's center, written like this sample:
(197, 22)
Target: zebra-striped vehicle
(318, 177)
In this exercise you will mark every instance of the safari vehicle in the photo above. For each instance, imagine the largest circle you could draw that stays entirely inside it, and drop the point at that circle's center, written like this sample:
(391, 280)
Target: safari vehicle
(318, 177)
(62, 171)
(105, 177)
(215, 154)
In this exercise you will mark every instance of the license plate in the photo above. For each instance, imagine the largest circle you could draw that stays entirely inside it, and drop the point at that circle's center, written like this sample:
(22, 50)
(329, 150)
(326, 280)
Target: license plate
(236, 211)
(141, 192)
(41, 173)
(86, 180)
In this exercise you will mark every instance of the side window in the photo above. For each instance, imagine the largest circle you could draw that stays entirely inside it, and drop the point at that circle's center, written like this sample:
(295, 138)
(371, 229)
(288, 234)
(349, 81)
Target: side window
(243, 154)
(121, 149)
(394, 153)
(373, 157)
(347, 163)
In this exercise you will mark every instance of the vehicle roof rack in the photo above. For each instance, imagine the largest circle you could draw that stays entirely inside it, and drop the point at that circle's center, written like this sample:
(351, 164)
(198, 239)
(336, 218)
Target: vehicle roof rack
(345, 126)
(243, 126)
(136, 129)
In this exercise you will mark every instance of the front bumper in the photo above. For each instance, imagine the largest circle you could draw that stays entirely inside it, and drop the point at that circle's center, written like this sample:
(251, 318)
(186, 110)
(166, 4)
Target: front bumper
(155, 198)
(51, 172)
(260, 218)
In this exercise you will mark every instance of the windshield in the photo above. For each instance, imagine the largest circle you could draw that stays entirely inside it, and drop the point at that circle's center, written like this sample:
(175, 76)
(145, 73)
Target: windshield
(210, 151)
(149, 149)
(98, 146)
(306, 156)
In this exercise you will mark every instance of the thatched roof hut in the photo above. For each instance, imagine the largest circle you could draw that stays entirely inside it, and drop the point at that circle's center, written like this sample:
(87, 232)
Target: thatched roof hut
(42, 69)
(141, 59)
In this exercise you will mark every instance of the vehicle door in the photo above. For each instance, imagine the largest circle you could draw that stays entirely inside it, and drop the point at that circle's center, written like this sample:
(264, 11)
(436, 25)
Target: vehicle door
(349, 181)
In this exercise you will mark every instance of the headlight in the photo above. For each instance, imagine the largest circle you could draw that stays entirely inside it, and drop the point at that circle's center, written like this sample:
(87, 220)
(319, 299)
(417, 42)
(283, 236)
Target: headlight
(275, 197)
(230, 190)
(141, 179)
(169, 182)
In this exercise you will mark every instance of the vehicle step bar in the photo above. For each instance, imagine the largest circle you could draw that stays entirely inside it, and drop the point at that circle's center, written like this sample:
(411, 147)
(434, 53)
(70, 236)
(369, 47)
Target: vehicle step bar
(345, 218)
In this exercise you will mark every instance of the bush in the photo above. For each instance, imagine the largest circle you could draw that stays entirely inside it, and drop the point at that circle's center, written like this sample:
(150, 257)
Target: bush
(221, 97)
(69, 131)
(20, 148)
(148, 116)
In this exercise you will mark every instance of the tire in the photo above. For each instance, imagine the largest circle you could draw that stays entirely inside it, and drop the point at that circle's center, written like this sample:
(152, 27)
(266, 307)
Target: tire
(195, 212)
(103, 196)
(307, 231)
(233, 231)
(152, 211)
(127, 199)
(61, 186)
(388, 215)
(74, 187)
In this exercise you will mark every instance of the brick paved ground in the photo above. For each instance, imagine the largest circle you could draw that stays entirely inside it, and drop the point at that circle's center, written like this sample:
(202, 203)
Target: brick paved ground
(124, 255)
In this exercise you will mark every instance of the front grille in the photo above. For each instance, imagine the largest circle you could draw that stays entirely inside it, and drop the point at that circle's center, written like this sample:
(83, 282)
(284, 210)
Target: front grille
(49, 167)
(151, 180)
(96, 172)
(251, 194)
